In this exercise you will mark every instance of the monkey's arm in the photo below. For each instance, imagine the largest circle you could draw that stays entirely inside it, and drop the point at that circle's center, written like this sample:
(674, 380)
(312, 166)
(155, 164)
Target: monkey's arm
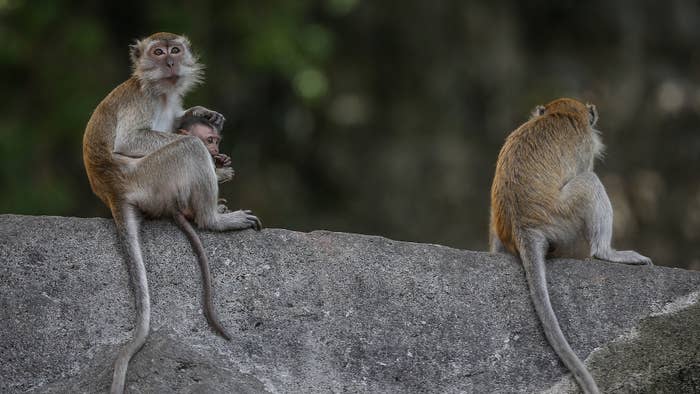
(139, 142)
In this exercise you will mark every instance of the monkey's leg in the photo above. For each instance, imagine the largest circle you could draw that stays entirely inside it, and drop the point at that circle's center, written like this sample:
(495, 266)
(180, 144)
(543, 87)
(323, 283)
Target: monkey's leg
(181, 177)
(128, 220)
(208, 213)
(586, 194)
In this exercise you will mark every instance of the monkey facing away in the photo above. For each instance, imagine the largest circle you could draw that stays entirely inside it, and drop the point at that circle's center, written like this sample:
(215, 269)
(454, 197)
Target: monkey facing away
(139, 167)
(547, 201)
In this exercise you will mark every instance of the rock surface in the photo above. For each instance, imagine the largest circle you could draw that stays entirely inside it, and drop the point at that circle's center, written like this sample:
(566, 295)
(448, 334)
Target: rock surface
(328, 312)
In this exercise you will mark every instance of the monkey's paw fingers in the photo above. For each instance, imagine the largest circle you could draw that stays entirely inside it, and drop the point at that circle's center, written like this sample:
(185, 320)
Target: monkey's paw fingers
(222, 160)
(221, 208)
(214, 118)
(197, 111)
(243, 219)
(256, 223)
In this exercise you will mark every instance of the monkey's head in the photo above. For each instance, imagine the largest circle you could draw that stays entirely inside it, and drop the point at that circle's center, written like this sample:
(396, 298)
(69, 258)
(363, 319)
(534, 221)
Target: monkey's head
(586, 111)
(164, 61)
(200, 128)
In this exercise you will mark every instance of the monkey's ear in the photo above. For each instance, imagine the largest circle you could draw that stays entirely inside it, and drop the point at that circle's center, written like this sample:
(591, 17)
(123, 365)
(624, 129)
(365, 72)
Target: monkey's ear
(538, 111)
(135, 51)
(186, 42)
(592, 114)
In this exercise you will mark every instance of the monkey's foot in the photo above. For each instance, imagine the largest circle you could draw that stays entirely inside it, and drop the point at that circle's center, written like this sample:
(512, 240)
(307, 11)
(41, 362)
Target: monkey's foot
(224, 174)
(240, 220)
(624, 257)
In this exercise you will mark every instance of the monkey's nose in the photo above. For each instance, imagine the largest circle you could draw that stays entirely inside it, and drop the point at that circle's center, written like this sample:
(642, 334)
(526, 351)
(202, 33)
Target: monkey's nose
(170, 62)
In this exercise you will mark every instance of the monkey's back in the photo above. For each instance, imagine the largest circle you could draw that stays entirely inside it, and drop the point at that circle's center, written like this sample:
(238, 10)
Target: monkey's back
(536, 160)
(98, 142)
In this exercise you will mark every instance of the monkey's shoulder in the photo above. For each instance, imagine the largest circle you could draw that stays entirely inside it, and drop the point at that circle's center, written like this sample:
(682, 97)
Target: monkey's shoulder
(126, 101)
(546, 140)
(125, 94)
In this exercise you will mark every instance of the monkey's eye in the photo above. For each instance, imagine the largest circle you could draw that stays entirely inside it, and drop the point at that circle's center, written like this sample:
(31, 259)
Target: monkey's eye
(175, 50)
(210, 140)
(158, 52)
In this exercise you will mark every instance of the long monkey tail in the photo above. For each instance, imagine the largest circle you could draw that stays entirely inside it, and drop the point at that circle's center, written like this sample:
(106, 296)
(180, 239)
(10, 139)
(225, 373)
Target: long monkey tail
(196, 243)
(128, 220)
(532, 247)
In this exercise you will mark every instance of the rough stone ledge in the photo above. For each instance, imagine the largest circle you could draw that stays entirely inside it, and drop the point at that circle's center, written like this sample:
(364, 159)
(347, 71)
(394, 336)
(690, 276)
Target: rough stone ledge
(327, 312)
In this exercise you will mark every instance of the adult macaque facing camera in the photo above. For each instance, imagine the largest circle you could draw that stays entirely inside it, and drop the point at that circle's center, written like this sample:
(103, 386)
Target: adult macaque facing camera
(139, 168)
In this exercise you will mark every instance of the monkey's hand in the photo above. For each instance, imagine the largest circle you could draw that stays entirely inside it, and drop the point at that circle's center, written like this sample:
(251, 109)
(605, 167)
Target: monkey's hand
(222, 160)
(214, 118)
(224, 174)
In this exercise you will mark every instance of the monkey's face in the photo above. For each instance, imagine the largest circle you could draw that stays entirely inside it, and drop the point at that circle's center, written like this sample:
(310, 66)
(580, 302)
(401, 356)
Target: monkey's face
(207, 134)
(165, 58)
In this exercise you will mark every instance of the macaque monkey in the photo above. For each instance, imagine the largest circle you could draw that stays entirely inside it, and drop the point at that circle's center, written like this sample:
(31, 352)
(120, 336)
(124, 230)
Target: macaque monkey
(546, 201)
(211, 137)
(139, 167)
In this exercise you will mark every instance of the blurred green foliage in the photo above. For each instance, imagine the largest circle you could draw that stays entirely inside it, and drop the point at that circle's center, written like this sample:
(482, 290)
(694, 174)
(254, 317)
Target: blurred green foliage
(373, 116)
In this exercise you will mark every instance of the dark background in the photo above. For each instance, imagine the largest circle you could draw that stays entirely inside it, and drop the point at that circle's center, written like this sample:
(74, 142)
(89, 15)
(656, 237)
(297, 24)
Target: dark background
(374, 117)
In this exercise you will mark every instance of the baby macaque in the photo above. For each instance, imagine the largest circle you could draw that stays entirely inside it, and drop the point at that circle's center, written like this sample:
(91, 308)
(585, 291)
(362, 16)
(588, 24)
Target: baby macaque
(201, 128)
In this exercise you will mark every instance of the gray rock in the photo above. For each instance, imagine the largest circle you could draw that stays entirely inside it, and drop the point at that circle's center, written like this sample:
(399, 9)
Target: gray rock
(329, 312)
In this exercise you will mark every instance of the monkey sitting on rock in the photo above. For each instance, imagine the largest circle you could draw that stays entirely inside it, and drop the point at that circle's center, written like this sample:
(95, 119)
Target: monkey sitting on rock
(547, 201)
(139, 167)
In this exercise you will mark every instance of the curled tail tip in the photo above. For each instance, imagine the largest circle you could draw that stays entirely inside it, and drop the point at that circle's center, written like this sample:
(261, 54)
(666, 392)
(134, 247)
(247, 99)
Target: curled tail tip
(588, 385)
(223, 333)
(117, 386)
(216, 325)
(116, 391)
(219, 329)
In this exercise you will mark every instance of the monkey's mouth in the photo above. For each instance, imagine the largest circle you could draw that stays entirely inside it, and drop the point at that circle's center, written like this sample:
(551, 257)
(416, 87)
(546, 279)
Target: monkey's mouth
(172, 79)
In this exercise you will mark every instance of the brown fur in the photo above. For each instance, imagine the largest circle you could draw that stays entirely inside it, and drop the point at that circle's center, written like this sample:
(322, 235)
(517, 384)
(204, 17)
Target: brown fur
(105, 171)
(536, 161)
(546, 200)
